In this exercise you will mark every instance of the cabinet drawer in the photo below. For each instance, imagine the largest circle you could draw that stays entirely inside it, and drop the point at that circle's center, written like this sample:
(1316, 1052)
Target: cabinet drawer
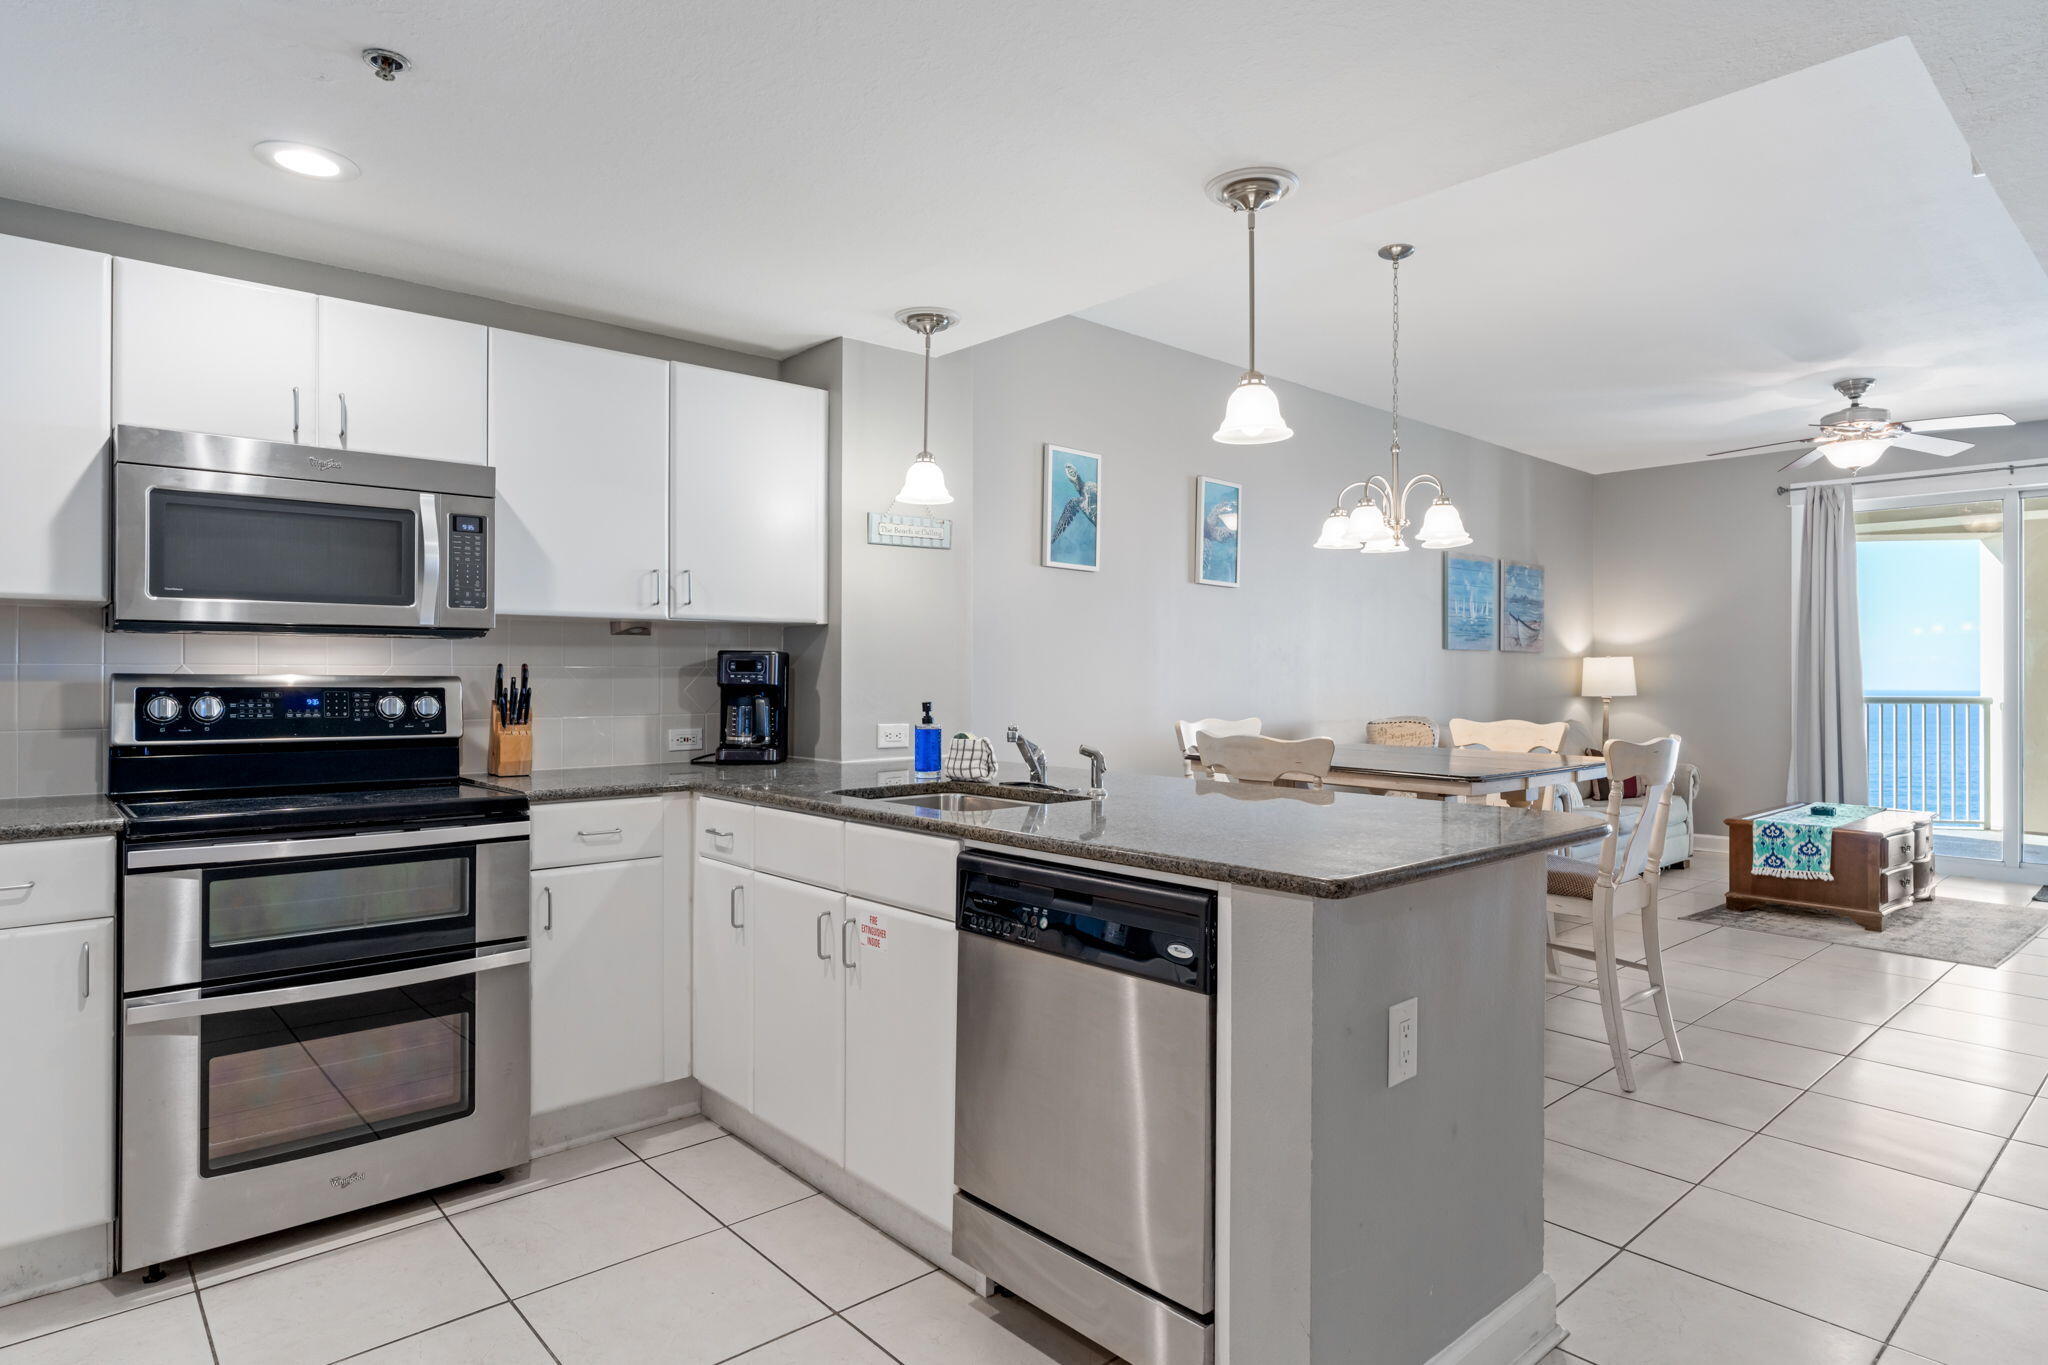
(804, 848)
(914, 871)
(577, 832)
(1898, 886)
(725, 831)
(1898, 849)
(52, 881)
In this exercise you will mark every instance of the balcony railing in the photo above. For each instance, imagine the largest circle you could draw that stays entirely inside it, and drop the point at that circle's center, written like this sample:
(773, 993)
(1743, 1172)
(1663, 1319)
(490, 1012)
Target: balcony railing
(1928, 753)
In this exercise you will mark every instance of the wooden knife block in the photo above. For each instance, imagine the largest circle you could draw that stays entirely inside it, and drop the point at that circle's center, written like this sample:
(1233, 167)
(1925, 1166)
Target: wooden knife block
(511, 752)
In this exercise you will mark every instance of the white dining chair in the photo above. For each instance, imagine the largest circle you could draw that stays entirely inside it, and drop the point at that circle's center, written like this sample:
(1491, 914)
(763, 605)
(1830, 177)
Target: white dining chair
(1417, 732)
(1257, 758)
(1510, 736)
(1184, 732)
(1624, 880)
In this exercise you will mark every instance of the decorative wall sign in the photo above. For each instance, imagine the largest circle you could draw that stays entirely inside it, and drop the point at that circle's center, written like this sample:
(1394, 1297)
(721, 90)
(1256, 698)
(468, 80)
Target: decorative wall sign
(1471, 588)
(1521, 607)
(1072, 509)
(918, 533)
(1218, 511)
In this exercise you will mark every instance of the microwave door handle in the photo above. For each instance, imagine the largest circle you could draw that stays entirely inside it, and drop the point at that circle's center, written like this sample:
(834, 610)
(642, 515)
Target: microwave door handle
(430, 559)
(344, 420)
(295, 415)
(149, 1011)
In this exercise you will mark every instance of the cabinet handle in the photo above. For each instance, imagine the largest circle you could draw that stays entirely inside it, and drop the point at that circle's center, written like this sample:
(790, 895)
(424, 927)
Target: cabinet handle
(735, 908)
(846, 929)
(18, 886)
(656, 574)
(548, 894)
(295, 414)
(689, 590)
(598, 833)
(85, 971)
(824, 946)
(344, 419)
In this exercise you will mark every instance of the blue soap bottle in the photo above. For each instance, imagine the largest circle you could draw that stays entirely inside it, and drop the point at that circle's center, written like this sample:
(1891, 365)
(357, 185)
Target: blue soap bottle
(928, 744)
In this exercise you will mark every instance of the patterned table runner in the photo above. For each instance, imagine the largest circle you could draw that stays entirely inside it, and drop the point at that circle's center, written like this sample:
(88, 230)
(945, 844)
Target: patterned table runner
(1801, 843)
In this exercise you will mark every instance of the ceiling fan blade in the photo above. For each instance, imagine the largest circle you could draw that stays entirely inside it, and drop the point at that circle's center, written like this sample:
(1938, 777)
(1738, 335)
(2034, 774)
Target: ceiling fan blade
(1982, 419)
(1803, 461)
(1768, 445)
(1932, 445)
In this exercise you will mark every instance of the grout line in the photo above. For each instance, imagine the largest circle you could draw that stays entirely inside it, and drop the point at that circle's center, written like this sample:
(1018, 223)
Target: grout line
(205, 1322)
(477, 1312)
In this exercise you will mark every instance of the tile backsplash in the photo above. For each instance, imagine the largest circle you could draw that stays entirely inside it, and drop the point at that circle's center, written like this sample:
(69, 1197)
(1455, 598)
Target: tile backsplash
(597, 697)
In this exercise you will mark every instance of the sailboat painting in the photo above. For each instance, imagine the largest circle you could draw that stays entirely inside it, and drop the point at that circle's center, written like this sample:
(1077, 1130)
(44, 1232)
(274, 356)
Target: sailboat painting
(1471, 602)
(1521, 608)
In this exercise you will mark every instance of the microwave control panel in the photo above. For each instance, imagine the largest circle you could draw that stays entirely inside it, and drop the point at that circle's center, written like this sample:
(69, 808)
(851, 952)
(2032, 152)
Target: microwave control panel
(469, 561)
(225, 712)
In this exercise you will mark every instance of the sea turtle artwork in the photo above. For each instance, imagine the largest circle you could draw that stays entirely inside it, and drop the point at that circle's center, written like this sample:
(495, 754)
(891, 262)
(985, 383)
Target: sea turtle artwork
(1072, 508)
(1218, 525)
(1080, 504)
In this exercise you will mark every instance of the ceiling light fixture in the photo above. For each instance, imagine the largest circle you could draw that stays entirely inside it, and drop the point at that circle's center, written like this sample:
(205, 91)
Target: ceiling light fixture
(1252, 417)
(302, 158)
(1375, 523)
(924, 483)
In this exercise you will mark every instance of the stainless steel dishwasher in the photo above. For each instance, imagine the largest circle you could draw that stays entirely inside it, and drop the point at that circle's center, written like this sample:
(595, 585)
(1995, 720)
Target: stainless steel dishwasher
(1084, 1148)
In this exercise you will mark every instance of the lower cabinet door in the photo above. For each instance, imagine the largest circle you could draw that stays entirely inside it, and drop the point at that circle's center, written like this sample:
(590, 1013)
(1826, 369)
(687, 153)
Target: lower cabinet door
(900, 1029)
(57, 1072)
(722, 980)
(597, 981)
(800, 1012)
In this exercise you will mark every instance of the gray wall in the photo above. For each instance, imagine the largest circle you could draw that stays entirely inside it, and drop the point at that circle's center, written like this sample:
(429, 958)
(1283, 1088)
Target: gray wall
(1696, 585)
(1315, 641)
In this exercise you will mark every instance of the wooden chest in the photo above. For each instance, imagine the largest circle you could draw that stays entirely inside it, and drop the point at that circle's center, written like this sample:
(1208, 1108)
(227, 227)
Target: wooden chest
(1881, 864)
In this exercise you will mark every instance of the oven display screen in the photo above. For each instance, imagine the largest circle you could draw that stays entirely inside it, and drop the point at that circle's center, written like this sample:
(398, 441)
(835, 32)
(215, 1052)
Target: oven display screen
(300, 703)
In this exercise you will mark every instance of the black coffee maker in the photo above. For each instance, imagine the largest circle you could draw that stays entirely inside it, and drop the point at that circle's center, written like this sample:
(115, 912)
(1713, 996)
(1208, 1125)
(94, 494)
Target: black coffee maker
(753, 707)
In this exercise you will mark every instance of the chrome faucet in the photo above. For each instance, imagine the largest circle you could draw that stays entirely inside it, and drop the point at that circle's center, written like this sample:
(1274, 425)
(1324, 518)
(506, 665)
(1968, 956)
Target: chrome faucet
(1097, 766)
(1034, 757)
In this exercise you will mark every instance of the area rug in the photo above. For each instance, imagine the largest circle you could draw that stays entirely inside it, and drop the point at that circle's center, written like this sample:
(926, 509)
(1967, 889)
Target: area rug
(1969, 932)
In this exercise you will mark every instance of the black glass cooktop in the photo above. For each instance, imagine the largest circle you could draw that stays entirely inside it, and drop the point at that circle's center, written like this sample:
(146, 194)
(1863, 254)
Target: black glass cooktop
(442, 803)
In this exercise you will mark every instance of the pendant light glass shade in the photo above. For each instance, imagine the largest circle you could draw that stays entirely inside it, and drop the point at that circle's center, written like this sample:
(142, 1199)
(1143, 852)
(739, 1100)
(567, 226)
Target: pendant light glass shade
(1368, 523)
(1855, 453)
(1252, 417)
(1391, 545)
(924, 483)
(1442, 528)
(1338, 532)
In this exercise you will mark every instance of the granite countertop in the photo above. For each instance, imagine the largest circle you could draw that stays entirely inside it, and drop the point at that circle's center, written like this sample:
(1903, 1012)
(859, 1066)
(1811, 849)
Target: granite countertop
(57, 817)
(1329, 844)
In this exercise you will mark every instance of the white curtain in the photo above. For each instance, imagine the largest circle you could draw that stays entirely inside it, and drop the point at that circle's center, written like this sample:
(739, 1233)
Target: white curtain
(1829, 758)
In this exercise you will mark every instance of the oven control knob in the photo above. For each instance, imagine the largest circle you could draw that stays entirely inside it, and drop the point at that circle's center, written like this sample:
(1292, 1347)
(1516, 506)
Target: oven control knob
(390, 707)
(162, 709)
(207, 708)
(426, 706)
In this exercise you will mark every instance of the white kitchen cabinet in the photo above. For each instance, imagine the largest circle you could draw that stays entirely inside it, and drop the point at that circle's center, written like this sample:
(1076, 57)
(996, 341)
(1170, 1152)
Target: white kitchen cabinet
(722, 980)
(748, 521)
(799, 1012)
(597, 981)
(400, 383)
(197, 352)
(579, 438)
(677, 866)
(57, 1011)
(900, 1029)
(54, 417)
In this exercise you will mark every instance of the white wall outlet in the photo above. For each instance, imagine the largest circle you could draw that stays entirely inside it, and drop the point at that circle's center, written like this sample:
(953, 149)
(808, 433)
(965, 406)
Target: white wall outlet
(1401, 1029)
(684, 738)
(893, 735)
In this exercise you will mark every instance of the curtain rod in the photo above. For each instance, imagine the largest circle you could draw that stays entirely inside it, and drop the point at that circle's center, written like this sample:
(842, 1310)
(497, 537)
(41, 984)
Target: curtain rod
(2009, 466)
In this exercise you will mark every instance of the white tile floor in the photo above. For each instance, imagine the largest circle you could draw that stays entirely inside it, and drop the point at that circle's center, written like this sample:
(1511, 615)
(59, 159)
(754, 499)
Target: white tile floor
(1851, 1165)
(676, 1243)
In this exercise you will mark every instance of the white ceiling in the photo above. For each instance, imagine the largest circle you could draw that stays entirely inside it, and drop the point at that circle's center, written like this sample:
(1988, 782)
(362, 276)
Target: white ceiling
(1691, 284)
(768, 175)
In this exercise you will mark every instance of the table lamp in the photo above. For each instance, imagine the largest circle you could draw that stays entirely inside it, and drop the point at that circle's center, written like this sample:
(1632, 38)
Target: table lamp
(1607, 676)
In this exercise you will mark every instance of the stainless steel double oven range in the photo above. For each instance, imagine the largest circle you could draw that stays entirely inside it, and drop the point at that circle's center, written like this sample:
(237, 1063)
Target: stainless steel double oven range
(324, 954)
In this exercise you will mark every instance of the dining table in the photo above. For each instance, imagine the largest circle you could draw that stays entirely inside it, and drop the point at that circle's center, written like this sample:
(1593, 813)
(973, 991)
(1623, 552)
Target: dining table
(1461, 774)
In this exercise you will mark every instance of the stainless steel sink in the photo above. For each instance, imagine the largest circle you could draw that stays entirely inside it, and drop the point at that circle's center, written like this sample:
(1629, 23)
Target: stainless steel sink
(956, 801)
(964, 796)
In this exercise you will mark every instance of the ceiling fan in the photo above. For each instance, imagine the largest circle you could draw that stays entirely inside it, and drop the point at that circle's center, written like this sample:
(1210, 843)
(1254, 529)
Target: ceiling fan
(1856, 436)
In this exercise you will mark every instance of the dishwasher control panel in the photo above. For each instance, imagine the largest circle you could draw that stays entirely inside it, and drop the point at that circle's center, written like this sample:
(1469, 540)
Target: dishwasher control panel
(1149, 929)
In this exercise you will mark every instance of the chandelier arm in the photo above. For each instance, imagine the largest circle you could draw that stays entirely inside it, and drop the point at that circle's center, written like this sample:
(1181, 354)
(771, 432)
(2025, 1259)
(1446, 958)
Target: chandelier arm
(1346, 492)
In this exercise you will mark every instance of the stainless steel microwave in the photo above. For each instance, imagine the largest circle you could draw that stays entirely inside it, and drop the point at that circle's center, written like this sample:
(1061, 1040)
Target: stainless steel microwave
(227, 533)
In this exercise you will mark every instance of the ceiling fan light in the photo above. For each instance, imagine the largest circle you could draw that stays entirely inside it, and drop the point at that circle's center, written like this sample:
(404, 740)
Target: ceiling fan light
(1855, 453)
(1252, 416)
(1338, 533)
(924, 483)
(1442, 528)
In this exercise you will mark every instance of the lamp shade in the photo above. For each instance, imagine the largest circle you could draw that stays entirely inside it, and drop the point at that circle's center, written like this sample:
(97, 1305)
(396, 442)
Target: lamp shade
(1337, 533)
(924, 483)
(1608, 675)
(1442, 528)
(1252, 416)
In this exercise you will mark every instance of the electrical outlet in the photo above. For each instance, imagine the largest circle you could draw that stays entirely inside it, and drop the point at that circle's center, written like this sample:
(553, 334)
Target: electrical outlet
(1401, 1030)
(893, 735)
(682, 739)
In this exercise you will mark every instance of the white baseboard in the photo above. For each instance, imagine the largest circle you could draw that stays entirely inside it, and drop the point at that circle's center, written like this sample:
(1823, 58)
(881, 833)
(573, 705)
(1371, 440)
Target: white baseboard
(1710, 843)
(1520, 1331)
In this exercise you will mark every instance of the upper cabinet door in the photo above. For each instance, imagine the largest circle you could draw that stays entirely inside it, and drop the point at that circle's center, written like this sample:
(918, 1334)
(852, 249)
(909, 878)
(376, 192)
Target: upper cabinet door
(400, 383)
(53, 421)
(197, 352)
(749, 513)
(579, 437)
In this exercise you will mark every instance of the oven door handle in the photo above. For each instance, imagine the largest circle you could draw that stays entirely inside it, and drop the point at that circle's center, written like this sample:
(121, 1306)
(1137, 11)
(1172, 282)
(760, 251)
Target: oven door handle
(149, 1011)
(270, 850)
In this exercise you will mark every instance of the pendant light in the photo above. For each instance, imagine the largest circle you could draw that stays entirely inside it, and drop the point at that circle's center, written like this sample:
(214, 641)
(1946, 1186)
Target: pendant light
(1376, 524)
(924, 483)
(1252, 416)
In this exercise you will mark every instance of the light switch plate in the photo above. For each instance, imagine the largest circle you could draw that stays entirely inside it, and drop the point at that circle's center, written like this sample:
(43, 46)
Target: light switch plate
(893, 735)
(1401, 1031)
(683, 739)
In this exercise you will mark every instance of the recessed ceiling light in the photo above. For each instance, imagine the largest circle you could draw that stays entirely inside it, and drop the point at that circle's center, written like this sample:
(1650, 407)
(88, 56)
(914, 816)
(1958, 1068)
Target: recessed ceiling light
(304, 159)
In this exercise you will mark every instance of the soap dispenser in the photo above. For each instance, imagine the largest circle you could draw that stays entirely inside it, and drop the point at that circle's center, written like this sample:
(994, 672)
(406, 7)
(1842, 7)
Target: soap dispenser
(929, 746)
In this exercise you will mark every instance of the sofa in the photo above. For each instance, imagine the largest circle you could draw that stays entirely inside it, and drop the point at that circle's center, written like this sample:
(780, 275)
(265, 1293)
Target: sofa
(1678, 826)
